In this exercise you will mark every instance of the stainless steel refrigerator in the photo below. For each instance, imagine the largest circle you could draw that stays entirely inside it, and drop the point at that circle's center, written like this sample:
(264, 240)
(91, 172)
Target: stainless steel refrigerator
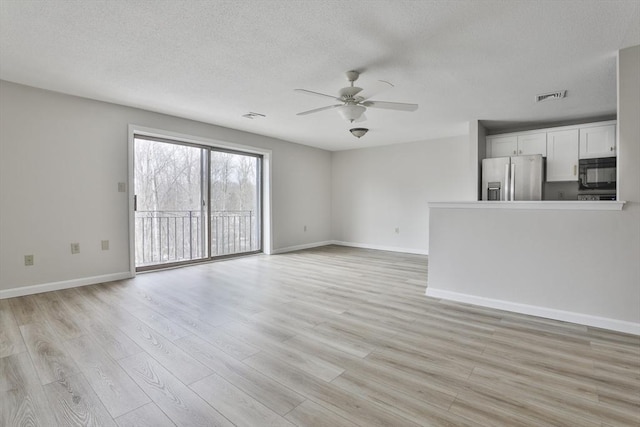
(513, 178)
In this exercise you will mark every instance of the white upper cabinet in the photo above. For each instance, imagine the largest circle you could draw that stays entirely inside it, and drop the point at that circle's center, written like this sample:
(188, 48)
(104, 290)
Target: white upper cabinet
(502, 146)
(562, 155)
(517, 145)
(562, 146)
(534, 143)
(598, 141)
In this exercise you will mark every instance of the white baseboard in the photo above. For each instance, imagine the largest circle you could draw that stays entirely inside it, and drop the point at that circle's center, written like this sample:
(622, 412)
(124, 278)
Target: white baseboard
(549, 313)
(66, 284)
(349, 244)
(381, 247)
(300, 247)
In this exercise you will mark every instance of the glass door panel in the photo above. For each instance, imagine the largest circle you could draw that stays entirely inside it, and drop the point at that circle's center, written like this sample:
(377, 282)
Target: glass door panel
(235, 203)
(171, 205)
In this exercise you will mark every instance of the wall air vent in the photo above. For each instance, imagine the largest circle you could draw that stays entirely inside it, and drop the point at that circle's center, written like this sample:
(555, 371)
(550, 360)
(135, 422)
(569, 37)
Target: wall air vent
(553, 95)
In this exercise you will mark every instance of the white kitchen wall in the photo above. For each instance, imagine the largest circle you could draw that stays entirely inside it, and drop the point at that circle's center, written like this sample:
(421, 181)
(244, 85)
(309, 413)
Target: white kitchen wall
(582, 266)
(61, 159)
(376, 190)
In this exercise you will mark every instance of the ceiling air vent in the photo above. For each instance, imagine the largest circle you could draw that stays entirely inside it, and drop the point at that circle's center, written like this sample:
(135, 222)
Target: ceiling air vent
(553, 95)
(252, 115)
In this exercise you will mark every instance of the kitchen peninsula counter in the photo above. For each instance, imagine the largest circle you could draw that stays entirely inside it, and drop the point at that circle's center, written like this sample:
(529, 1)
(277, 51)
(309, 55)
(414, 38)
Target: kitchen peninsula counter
(599, 205)
(553, 259)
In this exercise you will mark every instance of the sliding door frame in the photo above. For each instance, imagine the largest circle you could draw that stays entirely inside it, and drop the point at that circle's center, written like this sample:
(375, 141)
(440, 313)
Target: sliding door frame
(259, 184)
(263, 176)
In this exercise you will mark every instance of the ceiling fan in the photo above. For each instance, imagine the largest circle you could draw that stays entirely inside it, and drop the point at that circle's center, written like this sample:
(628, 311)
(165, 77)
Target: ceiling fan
(352, 106)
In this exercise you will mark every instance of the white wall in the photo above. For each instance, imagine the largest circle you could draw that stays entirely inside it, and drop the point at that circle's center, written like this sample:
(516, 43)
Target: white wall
(582, 266)
(375, 190)
(61, 158)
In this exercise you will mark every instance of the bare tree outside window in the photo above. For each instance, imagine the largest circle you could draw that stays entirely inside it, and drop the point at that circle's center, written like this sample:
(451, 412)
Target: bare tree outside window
(234, 203)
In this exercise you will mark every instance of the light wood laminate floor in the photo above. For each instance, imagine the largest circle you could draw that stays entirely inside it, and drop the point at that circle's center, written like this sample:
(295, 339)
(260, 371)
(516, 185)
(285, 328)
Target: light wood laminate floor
(331, 336)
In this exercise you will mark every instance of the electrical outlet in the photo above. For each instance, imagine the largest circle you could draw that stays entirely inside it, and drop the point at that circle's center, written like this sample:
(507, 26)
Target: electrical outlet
(105, 245)
(305, 228)
(28, 260)
(122, 187)
(397, 230)
(75, 248)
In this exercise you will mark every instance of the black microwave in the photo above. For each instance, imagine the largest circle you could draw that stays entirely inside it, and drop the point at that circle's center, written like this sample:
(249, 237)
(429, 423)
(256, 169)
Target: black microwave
(598, 174)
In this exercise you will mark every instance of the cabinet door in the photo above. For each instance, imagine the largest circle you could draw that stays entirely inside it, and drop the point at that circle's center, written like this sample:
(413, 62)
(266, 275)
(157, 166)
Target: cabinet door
(562, 155)
(503, 146)
(535, 143)
(598, 141)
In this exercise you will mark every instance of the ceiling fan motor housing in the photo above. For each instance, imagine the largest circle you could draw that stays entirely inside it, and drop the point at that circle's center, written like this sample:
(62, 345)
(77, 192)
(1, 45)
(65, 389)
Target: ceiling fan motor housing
(349, 92)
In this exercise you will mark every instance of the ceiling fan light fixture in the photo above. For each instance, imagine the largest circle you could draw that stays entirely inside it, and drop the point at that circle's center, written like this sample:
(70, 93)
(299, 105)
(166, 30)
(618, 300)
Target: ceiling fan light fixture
(351, 112)
(358, 132)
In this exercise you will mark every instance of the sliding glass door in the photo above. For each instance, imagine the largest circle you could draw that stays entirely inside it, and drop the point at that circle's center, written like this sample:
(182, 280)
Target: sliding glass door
(235, 203)
(194, 203)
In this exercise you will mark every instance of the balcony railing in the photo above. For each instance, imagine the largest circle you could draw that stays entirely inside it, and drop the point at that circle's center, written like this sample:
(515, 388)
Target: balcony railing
(174, 236)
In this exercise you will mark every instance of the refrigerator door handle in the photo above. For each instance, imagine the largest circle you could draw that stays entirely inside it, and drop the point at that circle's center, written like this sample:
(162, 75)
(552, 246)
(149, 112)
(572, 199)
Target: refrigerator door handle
(507, 191)
(512, 183)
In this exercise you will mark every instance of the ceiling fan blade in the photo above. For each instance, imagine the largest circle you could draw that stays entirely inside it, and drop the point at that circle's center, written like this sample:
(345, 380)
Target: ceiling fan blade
(400, 106)
(304, 113)
(375, 88)
(310, 92)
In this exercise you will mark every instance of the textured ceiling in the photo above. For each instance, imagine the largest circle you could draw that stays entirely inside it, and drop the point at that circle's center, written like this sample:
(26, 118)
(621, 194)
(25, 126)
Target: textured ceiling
(214, 61)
